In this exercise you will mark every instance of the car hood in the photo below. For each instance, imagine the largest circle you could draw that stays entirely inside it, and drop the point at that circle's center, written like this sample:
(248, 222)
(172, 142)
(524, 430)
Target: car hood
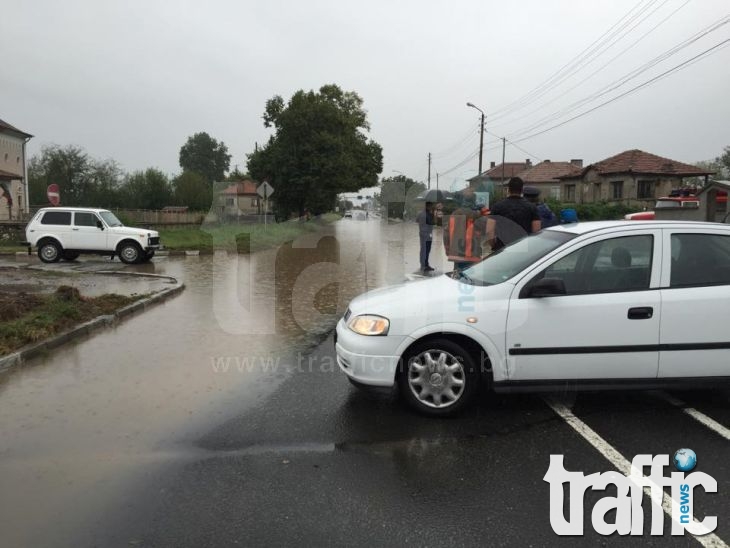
(434, 300)
(131, 231)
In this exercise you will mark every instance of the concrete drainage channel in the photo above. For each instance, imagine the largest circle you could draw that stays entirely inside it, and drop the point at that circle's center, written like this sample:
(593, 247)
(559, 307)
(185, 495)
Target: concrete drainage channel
(37, 349)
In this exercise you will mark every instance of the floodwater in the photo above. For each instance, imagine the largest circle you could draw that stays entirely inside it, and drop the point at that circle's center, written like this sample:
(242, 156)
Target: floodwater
(84, 425)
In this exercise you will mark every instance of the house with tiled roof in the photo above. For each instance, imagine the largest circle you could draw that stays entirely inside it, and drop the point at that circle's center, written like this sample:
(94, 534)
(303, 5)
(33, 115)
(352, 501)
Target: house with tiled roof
(499, 173)
(632, 176)
(13, 173)
(239, 198)
(546, 177)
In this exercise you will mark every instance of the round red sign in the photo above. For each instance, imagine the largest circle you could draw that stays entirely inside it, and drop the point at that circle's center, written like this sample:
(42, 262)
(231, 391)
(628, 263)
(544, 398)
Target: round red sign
(54, 194)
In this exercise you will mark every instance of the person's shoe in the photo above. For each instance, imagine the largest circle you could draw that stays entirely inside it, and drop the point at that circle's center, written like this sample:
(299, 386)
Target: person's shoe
(429, 269)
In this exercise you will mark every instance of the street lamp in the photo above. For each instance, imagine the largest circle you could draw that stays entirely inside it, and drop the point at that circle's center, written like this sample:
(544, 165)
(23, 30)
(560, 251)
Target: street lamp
(481, 136)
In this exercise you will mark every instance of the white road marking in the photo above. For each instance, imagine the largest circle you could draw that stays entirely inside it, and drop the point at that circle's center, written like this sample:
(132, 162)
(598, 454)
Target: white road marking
(700, 417)
(619, 462)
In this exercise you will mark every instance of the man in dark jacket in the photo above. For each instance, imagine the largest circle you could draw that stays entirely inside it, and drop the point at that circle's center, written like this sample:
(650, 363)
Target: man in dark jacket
(512, 218)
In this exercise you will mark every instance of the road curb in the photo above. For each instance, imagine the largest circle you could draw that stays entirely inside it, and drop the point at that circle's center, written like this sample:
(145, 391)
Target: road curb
(37, 349)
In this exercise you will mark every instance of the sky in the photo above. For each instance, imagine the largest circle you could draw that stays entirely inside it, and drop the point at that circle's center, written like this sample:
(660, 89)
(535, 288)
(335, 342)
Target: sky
(132, 80)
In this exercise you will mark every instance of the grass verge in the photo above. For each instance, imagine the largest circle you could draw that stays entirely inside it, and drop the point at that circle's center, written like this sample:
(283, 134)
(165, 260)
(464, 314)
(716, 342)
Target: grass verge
(29, 318)
(240, 238)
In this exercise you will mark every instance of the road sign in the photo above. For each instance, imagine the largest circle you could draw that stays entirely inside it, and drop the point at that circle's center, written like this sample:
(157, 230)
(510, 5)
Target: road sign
(54, 194)
(265, 190)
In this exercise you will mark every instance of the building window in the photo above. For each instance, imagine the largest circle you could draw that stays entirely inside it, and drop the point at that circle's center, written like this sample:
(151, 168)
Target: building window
(617, 190)
(596, 192)
(645, 190)
(229, 201)
(555, 192)
(570, 193)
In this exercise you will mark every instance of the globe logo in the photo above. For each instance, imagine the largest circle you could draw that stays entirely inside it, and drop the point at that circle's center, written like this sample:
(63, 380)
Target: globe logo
(685, 460)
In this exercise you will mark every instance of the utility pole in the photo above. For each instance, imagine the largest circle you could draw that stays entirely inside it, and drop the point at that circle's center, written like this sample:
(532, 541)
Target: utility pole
(429, 171)
(481, 145)
(503, 146)
(481, 135)
(437, 183)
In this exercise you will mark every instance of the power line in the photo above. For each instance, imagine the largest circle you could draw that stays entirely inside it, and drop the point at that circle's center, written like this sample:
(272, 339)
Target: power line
(571, 66)
(598, 70)
(653, 80)
(470, 135)
(620, 82)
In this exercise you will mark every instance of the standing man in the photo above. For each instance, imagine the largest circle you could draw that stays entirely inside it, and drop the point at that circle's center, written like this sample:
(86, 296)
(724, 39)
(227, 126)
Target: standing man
(512, 218)
(547, 217)
(426, 220)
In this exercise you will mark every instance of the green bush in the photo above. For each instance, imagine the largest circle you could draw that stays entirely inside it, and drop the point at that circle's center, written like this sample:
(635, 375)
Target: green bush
(599, 211)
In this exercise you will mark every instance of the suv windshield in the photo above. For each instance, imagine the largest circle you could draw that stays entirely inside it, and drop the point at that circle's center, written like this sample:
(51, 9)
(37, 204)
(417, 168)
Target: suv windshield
(110, 218)
(511, 260)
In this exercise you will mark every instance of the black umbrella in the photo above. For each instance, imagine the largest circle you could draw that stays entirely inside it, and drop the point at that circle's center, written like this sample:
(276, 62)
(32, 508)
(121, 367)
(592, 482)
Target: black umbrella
(433, 195)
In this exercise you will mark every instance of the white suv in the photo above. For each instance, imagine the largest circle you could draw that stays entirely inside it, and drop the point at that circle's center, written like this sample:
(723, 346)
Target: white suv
(66, 232)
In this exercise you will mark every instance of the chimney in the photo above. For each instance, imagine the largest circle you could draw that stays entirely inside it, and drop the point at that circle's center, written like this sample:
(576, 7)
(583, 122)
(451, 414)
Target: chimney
(528, 162)
(577, 162)
(491, 165)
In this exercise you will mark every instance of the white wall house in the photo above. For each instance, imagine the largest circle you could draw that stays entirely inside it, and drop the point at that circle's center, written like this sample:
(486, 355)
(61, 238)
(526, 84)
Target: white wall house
(13, 172)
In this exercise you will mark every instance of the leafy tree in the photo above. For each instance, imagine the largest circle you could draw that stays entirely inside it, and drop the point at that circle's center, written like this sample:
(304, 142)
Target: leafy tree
(397, 195)
(193, 191)
(83, 181)
(206, 156)
(319, 150)
(149, 189)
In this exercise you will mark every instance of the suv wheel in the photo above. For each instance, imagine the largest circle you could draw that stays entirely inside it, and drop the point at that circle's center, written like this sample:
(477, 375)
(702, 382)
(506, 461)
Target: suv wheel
(49, 252)
(438, 377)
(130, 252)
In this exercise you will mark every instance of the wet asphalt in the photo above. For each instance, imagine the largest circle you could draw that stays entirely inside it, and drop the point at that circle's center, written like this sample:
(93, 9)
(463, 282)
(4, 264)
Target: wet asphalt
(138, 437)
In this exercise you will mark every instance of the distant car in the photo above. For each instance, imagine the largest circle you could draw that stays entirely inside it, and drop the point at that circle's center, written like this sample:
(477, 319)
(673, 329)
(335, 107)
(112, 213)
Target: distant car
(595, 305)
(348, 215)
(66, 232)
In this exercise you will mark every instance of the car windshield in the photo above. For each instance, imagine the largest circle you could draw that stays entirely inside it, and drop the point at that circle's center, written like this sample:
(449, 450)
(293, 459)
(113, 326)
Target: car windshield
(505, 263)
(664, 204)
(110, 218)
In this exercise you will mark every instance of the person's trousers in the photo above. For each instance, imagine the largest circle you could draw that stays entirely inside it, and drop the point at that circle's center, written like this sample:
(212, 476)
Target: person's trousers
(425, 251)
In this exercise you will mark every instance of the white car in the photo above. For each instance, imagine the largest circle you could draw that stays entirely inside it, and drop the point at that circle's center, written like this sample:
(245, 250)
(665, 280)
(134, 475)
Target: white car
(595, 305)
(66, 232)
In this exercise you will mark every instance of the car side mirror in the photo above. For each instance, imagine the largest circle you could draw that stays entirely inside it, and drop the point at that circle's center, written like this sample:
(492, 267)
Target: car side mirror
(99, 225)
(547, 287)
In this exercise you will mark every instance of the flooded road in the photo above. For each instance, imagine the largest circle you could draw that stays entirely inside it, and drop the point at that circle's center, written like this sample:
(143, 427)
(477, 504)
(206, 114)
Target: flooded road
(95, 419)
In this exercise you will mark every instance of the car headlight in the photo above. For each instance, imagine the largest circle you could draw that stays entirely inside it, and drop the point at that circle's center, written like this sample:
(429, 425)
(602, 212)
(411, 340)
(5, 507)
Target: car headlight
(368, 324)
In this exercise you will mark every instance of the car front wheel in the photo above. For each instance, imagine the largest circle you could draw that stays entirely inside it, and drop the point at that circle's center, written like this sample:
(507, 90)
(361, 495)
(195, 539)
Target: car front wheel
(49, 252)
(438, 377)
(130, 253)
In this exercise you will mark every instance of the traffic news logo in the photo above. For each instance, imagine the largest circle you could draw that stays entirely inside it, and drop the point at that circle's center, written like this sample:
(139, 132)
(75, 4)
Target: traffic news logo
(627, 505)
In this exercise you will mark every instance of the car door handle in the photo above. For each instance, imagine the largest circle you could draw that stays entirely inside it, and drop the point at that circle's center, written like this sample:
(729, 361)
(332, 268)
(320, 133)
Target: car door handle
(74, 229)
(641, 313)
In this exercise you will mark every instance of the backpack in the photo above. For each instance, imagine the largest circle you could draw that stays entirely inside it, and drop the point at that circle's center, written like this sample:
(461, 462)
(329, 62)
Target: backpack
(547, 217)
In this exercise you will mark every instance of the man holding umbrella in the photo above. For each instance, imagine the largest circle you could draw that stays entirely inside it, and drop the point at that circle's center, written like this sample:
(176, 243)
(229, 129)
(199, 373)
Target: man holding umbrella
(426, 220)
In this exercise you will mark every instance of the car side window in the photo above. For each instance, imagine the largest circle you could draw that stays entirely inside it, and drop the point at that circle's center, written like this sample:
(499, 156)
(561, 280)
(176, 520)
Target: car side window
(612, 265)
(56, 218)
(85, 219)
(700, 259)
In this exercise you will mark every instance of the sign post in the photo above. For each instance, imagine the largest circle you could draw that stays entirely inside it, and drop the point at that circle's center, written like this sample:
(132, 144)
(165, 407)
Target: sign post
(265, 190)
(54, 194)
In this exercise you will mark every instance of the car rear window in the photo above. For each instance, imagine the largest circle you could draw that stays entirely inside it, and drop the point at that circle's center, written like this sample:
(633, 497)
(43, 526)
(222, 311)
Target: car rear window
(56, 218)
(85, 219)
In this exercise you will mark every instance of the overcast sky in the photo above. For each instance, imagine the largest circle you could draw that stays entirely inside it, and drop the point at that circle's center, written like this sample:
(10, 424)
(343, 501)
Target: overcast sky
(132, 80)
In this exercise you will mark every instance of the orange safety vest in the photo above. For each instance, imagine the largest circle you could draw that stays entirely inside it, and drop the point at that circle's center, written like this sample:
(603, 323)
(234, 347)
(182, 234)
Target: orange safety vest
(463, 239)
